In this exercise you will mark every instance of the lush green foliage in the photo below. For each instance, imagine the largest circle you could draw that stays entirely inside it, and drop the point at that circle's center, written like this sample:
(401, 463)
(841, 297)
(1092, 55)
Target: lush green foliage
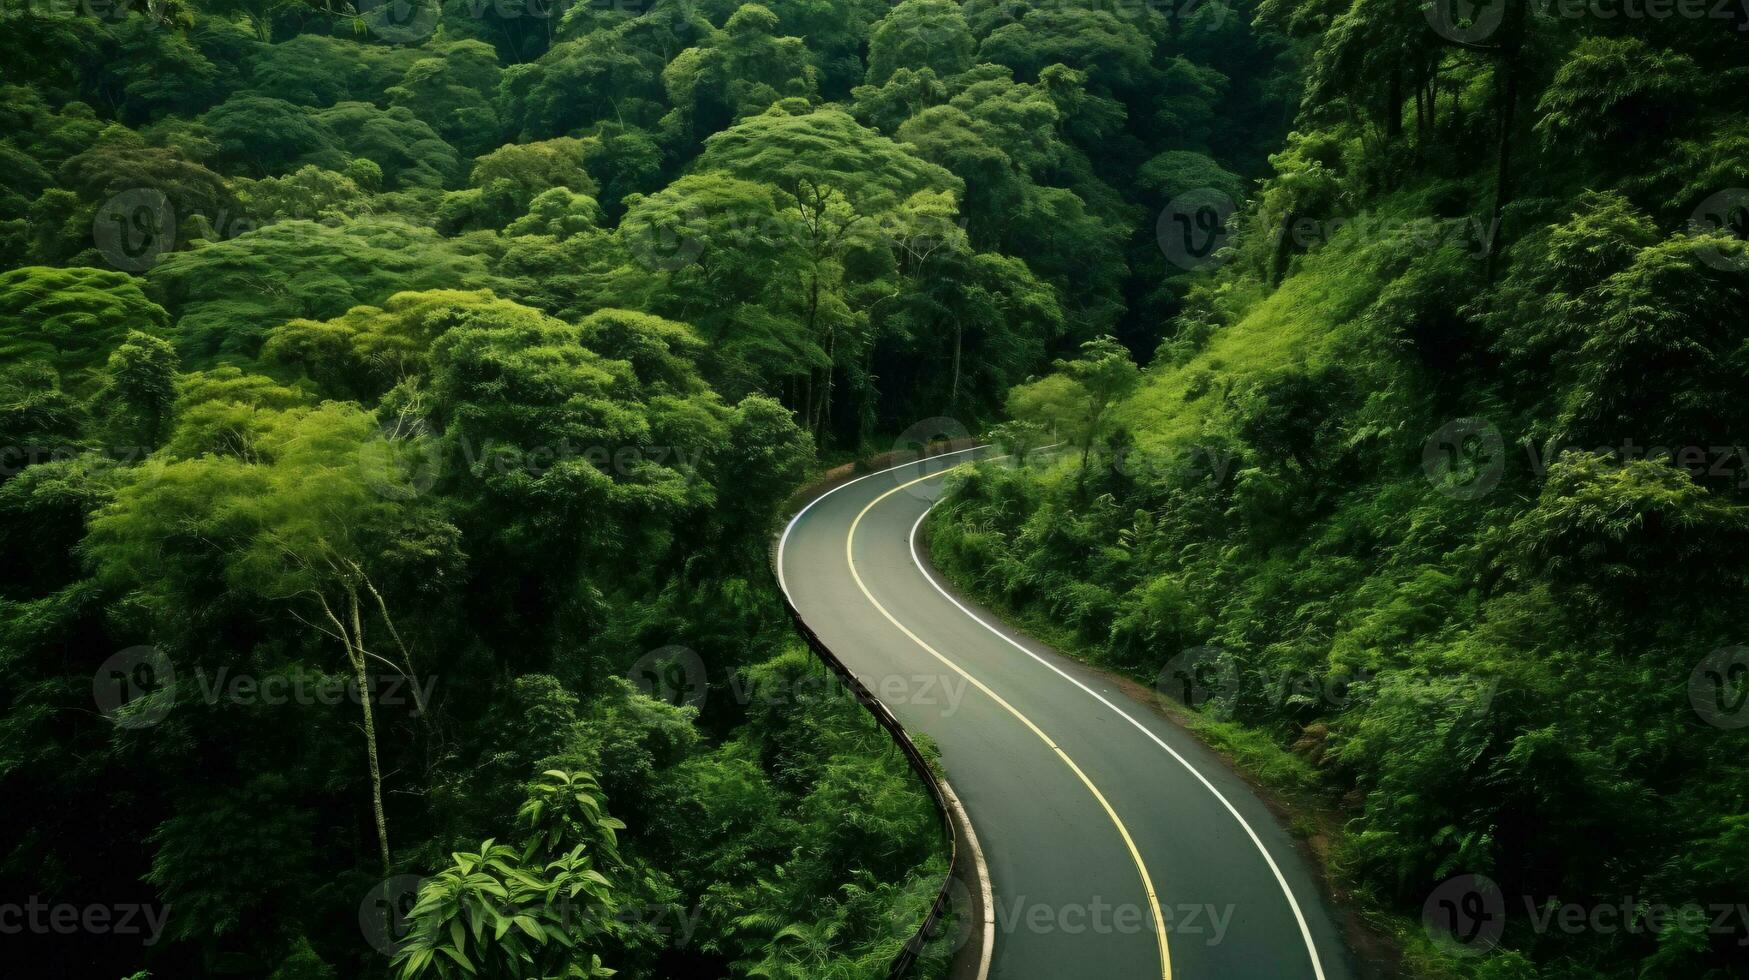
(457, 356)
(382, 392)
(1389, 495)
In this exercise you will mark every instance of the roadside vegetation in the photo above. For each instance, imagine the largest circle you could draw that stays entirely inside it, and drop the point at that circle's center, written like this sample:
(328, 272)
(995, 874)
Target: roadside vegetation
(1431, 494)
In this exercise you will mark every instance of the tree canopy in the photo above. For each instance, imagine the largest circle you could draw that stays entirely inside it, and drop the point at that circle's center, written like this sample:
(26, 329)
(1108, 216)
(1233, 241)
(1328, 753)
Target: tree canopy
(461, 358)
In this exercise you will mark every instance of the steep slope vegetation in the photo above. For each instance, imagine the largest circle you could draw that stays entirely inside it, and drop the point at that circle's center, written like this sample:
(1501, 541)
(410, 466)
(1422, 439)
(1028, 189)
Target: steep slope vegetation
(1432, 498)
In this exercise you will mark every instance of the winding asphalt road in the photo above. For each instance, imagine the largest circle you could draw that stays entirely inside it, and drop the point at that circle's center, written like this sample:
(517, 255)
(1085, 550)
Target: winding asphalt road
(1117, 845)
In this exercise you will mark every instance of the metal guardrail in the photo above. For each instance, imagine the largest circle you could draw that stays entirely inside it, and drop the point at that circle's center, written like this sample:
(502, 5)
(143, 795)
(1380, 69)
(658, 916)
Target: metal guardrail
(907, 957)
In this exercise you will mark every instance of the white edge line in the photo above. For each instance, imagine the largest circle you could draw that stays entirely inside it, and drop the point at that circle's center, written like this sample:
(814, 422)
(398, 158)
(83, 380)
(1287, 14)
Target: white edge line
(1305, 931)
(986, 892)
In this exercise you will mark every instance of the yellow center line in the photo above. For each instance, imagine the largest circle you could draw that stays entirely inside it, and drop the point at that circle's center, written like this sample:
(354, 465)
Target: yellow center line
(1135, 854)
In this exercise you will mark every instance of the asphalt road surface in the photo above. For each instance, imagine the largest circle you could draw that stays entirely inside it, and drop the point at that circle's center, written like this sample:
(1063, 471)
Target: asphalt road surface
(1117, 845)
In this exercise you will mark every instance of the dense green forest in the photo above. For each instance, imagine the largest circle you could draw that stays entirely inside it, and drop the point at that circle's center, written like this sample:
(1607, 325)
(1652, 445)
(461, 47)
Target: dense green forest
(1431, 499)
(396, 401)
(395, 404)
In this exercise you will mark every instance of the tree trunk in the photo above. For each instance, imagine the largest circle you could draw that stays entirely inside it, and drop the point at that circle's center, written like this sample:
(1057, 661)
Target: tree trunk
(959, 332)
(831, 367)
(406, 654)
(1394, 107)
(1094, 417)
(1503, 160)
(1433, 100)
(807, 401)
(1512, 36)
(369, 728)
(353, 640)
(370, 731)
(1423, 116)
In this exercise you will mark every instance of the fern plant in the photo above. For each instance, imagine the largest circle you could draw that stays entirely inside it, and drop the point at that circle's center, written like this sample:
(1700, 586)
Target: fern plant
(539, 911)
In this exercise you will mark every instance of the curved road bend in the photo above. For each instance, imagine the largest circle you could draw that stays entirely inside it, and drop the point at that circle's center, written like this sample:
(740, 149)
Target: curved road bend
(1100, 821)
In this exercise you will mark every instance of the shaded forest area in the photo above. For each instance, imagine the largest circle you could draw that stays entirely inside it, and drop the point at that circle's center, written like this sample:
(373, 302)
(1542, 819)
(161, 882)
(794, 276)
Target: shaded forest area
(395, 404)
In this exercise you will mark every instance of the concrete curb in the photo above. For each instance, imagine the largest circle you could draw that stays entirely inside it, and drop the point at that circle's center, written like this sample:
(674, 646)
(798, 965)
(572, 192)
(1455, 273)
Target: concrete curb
(983, 909)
